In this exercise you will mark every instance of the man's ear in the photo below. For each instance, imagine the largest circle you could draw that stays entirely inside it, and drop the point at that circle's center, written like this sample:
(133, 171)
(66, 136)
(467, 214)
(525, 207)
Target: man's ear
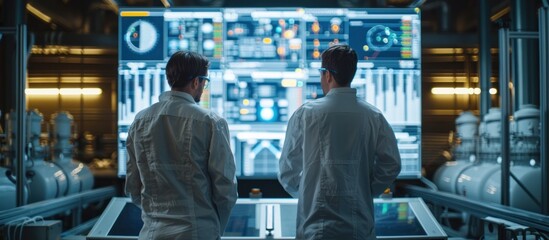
(195, 83)
(330, 78)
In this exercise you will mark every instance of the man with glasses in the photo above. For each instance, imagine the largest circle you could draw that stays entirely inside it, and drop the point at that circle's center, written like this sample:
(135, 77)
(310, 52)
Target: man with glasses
(339, 153)
(180, 169)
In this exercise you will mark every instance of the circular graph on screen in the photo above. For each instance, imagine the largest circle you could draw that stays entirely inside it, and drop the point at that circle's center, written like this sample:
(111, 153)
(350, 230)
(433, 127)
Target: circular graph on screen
(380, 38)
(141, 36)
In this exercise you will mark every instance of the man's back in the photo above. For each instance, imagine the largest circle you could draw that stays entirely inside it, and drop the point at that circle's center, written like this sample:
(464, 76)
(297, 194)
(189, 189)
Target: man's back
(179, 158)
(341, 139)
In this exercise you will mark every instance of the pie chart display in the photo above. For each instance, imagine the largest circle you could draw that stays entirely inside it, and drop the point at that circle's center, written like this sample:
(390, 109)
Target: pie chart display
(141, 36)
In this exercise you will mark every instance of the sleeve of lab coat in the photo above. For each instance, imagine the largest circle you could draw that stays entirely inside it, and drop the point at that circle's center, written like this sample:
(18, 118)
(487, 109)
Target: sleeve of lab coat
(291, 158)
(387, 164)
(221, 168)
(133, 179)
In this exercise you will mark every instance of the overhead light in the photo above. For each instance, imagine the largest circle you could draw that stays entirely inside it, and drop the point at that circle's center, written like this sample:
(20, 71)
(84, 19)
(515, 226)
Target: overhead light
(166, 3)
(112, 4)
(459, 91)
(42, 91)
(38, 13)
(80, 91)
(63, 91)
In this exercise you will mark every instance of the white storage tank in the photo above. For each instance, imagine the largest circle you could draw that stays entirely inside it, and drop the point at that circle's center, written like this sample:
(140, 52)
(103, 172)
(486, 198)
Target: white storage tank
(7, 190)
(446, 176)
(79, 175)
(525, 150)
(471, 181)
(529, 177)
(46, 181)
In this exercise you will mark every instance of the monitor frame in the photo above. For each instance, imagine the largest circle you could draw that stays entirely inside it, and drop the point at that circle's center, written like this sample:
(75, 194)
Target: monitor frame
(422, 213)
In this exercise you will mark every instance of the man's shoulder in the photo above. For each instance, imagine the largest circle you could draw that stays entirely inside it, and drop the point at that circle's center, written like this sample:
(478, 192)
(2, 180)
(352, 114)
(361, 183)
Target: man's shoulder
(146, 111)
(214, 117)
(313, 104)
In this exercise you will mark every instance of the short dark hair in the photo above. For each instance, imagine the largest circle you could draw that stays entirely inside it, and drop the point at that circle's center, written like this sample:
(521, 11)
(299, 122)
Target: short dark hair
(342, 59)
(183, 66)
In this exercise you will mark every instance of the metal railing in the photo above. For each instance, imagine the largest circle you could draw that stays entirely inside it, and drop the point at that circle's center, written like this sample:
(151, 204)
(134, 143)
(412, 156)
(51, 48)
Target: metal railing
(73, 203)
(479, 209)
(544, 102)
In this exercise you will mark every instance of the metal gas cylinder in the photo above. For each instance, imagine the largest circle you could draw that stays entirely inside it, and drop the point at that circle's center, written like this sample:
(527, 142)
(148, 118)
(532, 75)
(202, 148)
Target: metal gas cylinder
(78, 174)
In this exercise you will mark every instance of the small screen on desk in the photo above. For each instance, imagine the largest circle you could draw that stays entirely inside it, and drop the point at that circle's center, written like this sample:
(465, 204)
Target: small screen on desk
(243, 221)
(396, 219)
(128, 223)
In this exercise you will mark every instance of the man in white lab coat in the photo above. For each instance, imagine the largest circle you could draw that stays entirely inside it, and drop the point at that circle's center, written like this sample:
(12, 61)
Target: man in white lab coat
(181, 170)
(339, 153)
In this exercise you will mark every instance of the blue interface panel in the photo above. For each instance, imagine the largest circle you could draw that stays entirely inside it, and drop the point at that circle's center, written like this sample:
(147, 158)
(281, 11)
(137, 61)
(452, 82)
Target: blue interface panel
(264, 65)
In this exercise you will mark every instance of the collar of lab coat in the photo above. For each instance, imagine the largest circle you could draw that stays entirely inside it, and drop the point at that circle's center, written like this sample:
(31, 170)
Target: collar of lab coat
(342, 90)
(177, 95)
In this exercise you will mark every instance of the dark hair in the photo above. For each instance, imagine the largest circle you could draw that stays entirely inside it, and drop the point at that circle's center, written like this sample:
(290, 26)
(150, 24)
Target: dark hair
(342, 59)
(183, 66)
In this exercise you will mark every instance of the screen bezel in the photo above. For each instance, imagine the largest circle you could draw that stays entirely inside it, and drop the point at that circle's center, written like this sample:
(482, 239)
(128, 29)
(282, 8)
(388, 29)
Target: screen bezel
(422, 213)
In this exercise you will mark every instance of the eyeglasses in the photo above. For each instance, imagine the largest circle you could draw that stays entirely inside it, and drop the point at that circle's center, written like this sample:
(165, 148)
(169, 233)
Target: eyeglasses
(202, 78)
(322, 70)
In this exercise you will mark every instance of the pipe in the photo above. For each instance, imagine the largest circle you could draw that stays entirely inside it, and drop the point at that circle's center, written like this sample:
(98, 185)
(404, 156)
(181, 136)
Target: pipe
(525, 65)
(544, 108)
(444, 13)
(12, 15)
(20, 106)
(485, 57)
(416, 3)
(500, 9)
(504, 106)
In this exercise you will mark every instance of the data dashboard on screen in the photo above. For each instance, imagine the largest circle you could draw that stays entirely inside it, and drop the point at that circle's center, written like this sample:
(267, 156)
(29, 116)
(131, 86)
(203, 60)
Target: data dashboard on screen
(264, 65)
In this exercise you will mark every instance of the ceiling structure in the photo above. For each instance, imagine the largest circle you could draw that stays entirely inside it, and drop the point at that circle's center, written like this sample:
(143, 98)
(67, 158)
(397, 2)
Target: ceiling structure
(101, 16)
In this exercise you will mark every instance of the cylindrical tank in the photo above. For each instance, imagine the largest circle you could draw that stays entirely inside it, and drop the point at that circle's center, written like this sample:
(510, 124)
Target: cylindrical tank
(525, 151)
(470, 182)
(79, 175)
(7, 191)
(446, 176)
(529, 177)
(46, 180)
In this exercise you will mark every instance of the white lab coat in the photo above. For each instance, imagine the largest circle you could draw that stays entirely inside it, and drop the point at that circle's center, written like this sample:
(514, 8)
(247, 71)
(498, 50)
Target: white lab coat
(180, 170)
(339, 153)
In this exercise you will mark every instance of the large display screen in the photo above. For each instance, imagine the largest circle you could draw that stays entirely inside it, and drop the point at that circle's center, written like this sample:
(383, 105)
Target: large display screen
(264, 64)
